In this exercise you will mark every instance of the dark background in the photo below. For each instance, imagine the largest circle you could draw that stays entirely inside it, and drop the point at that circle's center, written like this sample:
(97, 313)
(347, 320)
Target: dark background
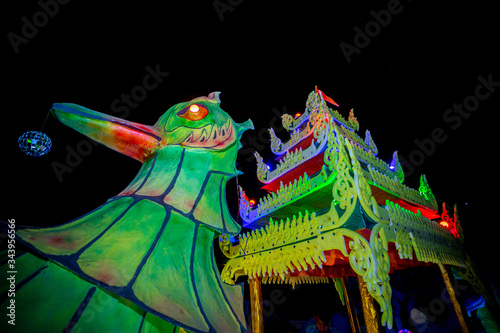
(261, 56)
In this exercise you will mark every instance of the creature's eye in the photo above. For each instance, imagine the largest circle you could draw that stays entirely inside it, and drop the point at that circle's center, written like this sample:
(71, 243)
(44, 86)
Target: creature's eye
(193, 112)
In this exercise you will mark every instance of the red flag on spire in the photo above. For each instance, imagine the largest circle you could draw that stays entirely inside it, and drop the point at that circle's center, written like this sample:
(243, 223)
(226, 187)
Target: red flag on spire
(326, 98)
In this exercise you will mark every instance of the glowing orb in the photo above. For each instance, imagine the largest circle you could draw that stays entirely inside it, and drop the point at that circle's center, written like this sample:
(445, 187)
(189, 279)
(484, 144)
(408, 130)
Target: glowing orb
(34, 143)
(194, 108)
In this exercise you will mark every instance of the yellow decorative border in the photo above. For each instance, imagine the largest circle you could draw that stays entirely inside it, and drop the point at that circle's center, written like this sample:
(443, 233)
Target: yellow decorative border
(294, 280)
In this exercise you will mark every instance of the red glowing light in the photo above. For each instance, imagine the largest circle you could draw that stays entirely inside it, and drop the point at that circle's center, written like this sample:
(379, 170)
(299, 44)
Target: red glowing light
(193, 112)
(298, 114)
(444, 224)
(252, 202)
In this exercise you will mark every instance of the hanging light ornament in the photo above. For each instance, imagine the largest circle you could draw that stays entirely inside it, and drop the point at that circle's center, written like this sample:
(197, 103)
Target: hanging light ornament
(34, 143)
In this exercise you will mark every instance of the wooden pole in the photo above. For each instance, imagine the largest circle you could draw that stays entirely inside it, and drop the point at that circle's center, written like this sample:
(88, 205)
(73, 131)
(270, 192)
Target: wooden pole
(256, 305)
(353, 319)
(371, 312)
(453, 298)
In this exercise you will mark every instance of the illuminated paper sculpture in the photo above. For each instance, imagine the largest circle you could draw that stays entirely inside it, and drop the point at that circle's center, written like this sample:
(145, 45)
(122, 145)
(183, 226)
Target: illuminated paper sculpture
(143, 261)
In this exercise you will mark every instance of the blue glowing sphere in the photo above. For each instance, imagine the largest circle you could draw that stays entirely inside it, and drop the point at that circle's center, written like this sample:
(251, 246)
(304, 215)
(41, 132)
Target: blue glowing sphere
(34, 143)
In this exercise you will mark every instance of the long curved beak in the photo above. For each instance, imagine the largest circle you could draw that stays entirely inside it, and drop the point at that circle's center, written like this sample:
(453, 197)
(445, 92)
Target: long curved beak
(132, 139)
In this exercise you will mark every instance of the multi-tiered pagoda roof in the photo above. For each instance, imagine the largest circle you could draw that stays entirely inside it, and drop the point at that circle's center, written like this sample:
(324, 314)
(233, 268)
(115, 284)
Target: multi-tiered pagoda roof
(334, 208)
(302, 174)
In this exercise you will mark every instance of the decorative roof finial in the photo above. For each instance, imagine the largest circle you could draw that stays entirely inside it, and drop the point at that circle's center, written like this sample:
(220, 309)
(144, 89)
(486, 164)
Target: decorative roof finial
(370, 143)
(396, 167)
(353, 121)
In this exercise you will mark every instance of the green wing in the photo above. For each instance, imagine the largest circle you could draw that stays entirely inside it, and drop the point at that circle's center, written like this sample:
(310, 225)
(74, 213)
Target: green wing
(49, 298)
(147, 256)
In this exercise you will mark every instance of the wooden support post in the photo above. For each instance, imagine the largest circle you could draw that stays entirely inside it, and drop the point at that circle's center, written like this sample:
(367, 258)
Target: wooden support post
(371, 311)
(256, 305)
(353, 319)
(453, 298)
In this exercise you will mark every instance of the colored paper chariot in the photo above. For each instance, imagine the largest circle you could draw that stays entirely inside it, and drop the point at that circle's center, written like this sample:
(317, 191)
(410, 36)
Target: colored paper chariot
(144, 260)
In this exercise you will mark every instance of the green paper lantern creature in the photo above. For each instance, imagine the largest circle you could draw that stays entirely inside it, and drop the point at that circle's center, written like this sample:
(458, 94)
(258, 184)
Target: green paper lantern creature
(143, 261)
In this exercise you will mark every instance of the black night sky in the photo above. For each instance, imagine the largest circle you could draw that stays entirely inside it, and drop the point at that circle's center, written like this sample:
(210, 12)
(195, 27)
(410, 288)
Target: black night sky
(423, 78)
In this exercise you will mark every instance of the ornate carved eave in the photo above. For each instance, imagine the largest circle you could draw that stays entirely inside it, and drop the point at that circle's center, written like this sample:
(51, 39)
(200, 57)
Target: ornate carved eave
(369, 159)
(400, 190)
(322, 123)
(286, 194)
(277, 251)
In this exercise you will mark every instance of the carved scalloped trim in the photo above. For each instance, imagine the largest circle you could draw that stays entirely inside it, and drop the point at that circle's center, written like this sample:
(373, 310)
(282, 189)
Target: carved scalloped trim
(363, 189)
(368, 158)
(298, 156)
(400, 190)
(431, 241)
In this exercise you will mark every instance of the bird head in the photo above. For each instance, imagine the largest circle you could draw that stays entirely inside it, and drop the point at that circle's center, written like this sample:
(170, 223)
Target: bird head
(198, 124)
